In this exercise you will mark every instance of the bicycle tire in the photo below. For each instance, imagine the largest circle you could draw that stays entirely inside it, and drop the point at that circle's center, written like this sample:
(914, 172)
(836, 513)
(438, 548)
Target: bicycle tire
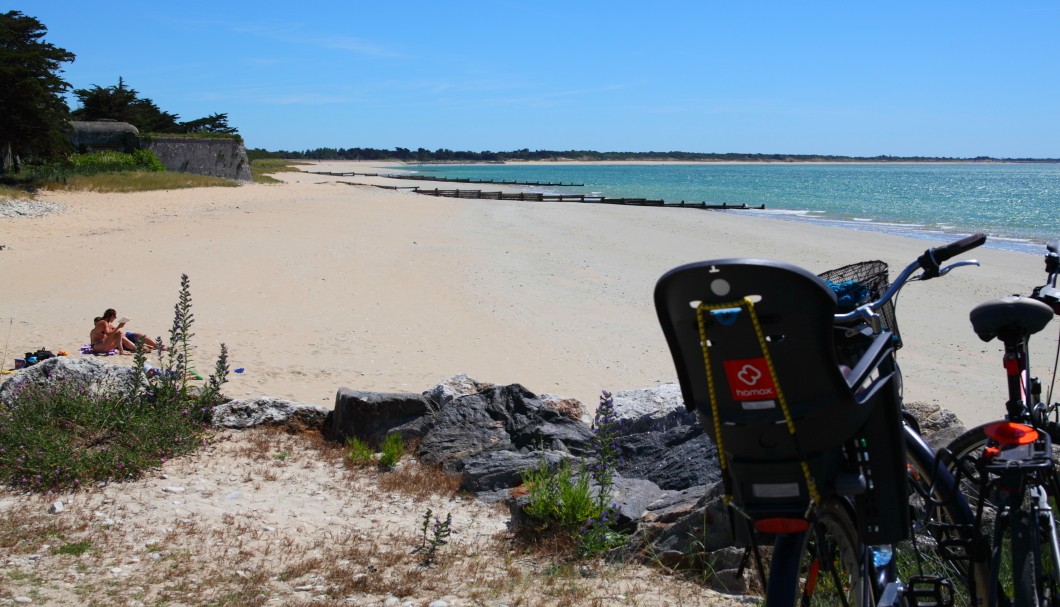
(943, 541)
(1025, 553)
(823, 566)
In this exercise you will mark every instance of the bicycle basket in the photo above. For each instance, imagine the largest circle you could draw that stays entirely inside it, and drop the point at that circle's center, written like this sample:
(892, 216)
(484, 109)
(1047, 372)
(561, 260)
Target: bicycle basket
(854, 285)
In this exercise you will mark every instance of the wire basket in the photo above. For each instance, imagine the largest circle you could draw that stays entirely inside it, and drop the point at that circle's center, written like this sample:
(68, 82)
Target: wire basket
(854, 285)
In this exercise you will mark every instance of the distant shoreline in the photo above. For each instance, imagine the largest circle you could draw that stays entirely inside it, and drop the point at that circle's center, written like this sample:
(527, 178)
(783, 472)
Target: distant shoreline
(712, 162)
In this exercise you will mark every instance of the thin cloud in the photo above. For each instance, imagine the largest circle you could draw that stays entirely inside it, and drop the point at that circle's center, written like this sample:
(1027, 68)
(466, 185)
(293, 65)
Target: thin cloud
(352, 44)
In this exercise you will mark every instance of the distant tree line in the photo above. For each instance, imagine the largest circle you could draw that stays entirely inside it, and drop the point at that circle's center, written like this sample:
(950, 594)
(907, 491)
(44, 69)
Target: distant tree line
(422, 155)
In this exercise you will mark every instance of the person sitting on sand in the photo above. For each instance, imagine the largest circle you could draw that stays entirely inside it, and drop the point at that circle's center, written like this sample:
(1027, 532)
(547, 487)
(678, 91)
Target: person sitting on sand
(107, 336)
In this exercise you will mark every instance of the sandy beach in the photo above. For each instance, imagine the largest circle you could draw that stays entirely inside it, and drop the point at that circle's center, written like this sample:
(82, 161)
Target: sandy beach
(316, 284)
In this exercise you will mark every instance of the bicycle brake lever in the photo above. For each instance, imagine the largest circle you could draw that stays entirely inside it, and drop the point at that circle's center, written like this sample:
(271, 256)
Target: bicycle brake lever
(965, 262)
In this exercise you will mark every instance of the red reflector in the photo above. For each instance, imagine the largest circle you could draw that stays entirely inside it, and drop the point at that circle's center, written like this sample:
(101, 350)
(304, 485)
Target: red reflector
(1009, 433)
(782, 525)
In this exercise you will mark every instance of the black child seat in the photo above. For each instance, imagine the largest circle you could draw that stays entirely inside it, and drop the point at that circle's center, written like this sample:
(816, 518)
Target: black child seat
(783, 413)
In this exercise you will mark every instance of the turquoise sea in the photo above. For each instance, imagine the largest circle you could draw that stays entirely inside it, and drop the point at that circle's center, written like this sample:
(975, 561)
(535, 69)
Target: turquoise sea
(1015, 204)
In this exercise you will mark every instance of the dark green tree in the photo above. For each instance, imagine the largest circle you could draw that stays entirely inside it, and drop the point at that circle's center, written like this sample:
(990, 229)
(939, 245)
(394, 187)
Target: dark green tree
(214, 123)
(33, 116)
(122, 103)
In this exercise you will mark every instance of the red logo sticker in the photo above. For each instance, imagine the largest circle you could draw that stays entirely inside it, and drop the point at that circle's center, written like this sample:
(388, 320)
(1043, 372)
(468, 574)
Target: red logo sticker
(749, 379)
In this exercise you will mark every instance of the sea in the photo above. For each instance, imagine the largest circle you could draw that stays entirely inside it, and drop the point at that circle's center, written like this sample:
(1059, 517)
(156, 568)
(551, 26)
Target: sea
(1015, 204)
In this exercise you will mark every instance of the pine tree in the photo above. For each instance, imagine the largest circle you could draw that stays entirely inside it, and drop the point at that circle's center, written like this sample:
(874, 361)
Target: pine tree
(34, 118)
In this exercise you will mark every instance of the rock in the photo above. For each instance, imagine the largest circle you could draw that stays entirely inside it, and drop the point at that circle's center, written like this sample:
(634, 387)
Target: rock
(705, 528)
(56, 508)
(96, 376)
(938, 426)
(292, 416)
(505, 418)
(371, 416)
(631, 497)
(438, 603)
(453, 388)
(677, 457)
(501, 469)
(932, 418)
(653, 409)
(671, 506)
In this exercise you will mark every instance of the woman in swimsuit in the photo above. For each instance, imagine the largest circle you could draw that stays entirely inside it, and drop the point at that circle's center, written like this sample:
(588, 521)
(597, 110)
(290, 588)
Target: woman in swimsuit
(107, 336)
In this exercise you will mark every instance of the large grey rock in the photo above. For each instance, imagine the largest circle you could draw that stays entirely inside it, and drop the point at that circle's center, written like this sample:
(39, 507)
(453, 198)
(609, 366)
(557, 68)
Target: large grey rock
(652, 409)
(268, 411)
(92, 374)
(507, 418)
(493, 470)
(371, 416)
(662, 442)
(677, 458)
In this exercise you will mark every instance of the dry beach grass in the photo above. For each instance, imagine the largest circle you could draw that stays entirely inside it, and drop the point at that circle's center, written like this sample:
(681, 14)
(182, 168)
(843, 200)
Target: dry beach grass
(261, 517)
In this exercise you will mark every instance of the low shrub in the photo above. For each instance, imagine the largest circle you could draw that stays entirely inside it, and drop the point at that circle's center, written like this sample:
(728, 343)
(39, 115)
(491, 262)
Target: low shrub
(63, 435)
(577, 504)
(391, 451)
(358, 452)
(67, 434)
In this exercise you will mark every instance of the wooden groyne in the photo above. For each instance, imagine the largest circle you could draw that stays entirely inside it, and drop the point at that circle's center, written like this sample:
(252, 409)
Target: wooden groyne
(532, 196)
(536, 197)
(447, 179)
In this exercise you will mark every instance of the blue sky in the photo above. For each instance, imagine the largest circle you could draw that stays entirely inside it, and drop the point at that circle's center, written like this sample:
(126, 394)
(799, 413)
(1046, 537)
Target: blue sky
(955, 79)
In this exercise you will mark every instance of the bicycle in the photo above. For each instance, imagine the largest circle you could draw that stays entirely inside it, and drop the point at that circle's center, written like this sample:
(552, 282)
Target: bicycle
(1007, 467)
(815, 456)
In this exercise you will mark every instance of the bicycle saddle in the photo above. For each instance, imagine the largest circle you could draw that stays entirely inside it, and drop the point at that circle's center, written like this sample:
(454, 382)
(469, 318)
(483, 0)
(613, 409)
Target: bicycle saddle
(1011, 318)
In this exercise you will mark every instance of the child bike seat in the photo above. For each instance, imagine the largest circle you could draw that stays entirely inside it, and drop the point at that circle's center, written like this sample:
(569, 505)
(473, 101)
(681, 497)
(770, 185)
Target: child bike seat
(1011, 318)
(752, 343)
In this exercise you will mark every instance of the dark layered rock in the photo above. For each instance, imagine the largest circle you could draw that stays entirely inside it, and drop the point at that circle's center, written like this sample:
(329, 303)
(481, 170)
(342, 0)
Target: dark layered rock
(501, 418)
(662, 442)
(503, 469)
(370, 416)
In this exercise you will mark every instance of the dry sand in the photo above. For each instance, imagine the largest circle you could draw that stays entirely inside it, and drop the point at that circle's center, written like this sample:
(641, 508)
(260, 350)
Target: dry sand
(315, 284)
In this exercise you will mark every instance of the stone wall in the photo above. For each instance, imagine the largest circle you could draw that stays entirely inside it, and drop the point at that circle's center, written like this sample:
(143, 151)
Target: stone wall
(218, 157)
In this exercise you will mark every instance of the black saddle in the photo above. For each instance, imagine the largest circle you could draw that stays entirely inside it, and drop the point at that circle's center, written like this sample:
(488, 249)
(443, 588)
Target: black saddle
(1010, 318)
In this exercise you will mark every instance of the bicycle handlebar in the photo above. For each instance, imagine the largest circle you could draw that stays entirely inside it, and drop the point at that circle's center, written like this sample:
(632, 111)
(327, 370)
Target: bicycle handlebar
(929, 262)
(932, 258)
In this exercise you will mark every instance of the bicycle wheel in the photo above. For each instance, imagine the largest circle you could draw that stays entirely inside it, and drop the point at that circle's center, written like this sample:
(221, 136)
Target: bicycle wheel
(1025, 552)
(942, 554)
(1026, 566)
(823, 566)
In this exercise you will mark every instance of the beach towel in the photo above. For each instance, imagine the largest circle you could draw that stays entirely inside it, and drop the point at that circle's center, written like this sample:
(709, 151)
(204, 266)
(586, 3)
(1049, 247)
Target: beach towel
(87, 349)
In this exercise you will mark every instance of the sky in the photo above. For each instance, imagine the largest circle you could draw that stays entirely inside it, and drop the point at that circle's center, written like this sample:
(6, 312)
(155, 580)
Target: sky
(939, 78)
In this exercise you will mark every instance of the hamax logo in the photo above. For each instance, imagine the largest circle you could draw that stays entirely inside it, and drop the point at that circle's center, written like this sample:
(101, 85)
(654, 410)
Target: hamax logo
(749, 379)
